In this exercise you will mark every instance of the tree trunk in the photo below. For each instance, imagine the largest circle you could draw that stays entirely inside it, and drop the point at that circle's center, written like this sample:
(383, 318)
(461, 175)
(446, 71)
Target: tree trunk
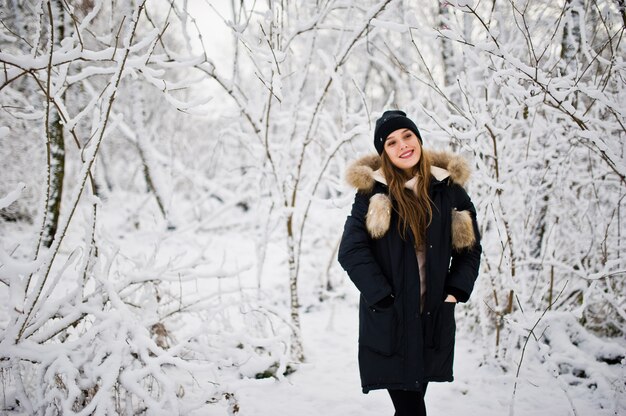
(447, 54)
(142, 132)
(570, 44)
(55, 144)
(297, 349)
(56, 171)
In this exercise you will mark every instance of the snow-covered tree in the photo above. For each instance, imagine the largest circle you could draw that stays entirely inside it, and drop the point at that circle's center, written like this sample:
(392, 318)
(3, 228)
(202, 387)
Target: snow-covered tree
(89, 326)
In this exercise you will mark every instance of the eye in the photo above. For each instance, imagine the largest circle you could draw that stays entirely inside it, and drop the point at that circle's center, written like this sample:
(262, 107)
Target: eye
(390, 143)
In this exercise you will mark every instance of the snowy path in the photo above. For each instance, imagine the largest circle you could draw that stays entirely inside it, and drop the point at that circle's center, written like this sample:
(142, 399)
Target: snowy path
(328, 384)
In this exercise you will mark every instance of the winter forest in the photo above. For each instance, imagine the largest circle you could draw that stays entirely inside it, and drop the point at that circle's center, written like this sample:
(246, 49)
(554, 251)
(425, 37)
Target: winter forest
(172, 197)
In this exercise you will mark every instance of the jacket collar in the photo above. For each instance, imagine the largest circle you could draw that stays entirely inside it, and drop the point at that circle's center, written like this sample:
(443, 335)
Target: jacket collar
(438, 173)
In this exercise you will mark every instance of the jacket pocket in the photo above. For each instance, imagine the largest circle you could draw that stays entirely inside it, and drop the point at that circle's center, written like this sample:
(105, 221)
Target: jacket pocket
(378, 329)
(446, 325)
(439, 340)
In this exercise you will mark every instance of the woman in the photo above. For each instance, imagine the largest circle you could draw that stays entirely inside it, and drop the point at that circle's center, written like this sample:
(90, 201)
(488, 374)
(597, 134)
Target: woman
(411, 246)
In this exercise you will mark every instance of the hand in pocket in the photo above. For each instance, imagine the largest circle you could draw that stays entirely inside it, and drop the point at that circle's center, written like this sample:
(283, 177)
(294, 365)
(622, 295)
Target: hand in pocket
(450, 299)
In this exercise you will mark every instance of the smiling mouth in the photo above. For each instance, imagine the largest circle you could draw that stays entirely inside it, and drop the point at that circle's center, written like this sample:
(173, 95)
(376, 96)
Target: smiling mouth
(406, 154)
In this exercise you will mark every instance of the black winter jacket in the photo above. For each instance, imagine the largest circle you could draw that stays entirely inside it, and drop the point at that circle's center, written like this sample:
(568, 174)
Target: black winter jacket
(399, 347)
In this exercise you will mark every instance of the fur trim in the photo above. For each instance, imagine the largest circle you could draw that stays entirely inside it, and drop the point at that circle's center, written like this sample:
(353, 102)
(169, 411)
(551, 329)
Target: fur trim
(378, 215)
(462, 230)
(360, 173)
(457, 166)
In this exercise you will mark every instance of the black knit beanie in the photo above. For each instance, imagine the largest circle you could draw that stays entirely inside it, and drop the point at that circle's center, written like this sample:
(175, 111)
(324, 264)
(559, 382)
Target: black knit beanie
(390, 121)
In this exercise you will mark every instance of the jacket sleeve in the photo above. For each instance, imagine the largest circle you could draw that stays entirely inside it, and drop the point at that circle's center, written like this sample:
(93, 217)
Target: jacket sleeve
(356, 256)
(465, 262)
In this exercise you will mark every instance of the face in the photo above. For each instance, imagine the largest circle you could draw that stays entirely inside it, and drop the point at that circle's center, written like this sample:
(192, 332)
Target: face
(403, 149)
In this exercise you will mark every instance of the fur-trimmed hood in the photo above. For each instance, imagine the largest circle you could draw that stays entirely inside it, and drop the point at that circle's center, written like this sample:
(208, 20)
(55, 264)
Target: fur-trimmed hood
(365, 172)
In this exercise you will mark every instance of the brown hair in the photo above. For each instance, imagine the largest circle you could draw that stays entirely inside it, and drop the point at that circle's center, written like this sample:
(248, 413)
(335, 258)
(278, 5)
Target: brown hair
(413, 206)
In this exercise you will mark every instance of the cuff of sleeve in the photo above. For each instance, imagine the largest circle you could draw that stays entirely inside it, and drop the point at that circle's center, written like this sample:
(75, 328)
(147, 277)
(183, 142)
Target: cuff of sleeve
(459, 294)
(385, 302)
(380, 298)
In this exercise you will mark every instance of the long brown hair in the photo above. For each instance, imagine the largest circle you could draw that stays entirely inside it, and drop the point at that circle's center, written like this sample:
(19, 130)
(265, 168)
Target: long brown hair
(413, 206)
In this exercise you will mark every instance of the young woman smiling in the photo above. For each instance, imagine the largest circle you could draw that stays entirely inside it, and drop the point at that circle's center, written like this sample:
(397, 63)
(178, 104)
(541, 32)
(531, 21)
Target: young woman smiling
(411, 246)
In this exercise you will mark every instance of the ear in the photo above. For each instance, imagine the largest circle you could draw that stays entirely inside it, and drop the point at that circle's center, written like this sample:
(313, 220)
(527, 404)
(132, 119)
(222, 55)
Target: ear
(462, 230)
(378, 215)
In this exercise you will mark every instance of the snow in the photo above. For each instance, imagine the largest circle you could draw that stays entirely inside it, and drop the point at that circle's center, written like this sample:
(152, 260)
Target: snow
(12, 196)
(393, 26)
(463, 3)
(4, 131)
(328, 383)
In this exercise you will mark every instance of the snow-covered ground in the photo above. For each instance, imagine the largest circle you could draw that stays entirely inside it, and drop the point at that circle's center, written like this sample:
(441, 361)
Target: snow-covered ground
(328, 384)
